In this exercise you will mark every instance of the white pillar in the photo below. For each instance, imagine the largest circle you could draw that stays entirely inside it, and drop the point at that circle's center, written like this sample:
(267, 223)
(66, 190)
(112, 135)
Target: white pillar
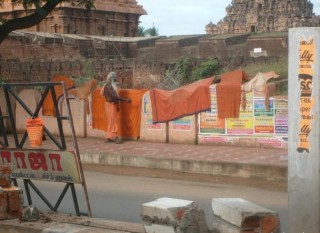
(304, 146)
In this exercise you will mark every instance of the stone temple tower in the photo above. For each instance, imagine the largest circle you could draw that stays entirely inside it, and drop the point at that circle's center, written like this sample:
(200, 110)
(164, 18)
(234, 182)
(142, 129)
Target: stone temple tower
(110, 17)
(249, 16)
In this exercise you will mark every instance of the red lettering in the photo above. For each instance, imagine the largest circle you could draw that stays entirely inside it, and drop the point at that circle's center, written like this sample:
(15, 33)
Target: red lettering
(5, 155)
(22, 157)
(37, 161)
(57, 158)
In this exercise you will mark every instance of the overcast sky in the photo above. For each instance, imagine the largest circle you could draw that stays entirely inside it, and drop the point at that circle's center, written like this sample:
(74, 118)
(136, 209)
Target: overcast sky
(187, 17)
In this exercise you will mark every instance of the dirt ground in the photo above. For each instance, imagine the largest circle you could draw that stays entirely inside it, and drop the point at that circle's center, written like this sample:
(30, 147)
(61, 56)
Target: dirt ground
(175, 175)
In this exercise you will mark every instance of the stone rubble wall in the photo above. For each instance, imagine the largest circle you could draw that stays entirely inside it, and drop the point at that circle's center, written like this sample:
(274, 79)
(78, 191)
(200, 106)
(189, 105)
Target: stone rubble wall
(139, 64)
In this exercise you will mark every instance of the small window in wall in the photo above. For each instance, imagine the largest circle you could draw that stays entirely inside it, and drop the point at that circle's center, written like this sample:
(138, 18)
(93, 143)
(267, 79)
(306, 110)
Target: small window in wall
(103, 31)
(259, 7)
(68, 28)
(55, 28)
(253, 28)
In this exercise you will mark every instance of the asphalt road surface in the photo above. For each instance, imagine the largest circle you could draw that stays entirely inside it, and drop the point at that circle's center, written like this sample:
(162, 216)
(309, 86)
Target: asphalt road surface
(117, 193)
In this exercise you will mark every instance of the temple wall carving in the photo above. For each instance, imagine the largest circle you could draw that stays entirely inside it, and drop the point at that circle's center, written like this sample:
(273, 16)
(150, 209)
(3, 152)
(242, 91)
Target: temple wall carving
(249, 16)
(112, 18)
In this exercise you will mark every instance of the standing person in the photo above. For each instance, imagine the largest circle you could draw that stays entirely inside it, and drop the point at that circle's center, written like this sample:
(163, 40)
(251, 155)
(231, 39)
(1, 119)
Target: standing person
(110, 92)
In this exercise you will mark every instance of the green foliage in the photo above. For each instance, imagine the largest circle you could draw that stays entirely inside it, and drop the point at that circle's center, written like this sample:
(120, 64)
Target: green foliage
(153, 31)
(280, 66)
(141, 31)
(206, 69)
(177, 75)
(2, 80)
(89, 72)
(183, 72)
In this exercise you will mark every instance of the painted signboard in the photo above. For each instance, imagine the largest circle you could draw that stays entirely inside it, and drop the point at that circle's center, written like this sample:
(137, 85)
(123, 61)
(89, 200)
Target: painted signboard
(307, 101)
(182, 124)
(46, 165)
(147, 111)
(281, 116)
(209, 121)
(244, 124)
(263, 118)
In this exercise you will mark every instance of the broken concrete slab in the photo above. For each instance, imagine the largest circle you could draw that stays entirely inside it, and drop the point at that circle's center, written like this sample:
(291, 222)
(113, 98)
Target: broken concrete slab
(238, 215)
(169, 215)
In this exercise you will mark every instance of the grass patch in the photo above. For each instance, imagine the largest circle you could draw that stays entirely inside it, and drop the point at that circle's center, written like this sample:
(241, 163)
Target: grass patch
(280, 67)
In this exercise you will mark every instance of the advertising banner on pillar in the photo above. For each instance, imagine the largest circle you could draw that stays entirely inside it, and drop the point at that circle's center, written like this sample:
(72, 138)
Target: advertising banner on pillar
(57, 166)
(307, 100)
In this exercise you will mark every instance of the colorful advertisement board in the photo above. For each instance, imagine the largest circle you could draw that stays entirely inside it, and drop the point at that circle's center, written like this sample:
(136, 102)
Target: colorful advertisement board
(182, 124)
(255, 118)
(209, 121)
(244, 124)
(263, 118)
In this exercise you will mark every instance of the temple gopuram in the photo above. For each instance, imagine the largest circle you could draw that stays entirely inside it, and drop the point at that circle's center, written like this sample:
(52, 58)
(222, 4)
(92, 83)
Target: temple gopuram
(109, 18)
(250, 16)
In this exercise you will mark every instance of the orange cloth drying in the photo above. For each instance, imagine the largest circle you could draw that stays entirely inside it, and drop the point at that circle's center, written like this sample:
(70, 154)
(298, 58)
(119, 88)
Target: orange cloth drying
(129, 116)
(130, 113)
(184, 101)
(229, 93)
(48, 106)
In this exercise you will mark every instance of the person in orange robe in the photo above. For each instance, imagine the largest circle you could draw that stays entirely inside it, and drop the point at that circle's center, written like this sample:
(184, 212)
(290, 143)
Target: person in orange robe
(110, 92)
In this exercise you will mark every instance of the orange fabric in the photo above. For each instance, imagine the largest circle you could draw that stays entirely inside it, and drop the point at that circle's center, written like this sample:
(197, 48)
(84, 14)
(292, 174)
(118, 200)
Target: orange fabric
(184, 101)
(229, 93)
(48, 106)
(99, 118)
(112, 123)
(129, 116)
(130, 113)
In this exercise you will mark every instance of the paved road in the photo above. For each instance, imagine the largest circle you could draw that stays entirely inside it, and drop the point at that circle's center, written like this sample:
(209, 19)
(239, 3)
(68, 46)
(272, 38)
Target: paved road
(119, 197)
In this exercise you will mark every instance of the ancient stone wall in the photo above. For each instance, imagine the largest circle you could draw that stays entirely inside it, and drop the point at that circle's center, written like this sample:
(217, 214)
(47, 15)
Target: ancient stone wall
(139, 64)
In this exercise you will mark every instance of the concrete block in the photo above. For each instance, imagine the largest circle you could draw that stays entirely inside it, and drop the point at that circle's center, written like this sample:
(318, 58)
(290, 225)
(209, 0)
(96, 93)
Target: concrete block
(169, 208)
(15, 201)
(65, 228)
(11, 202)
(156, 228)
(239, 215)
(5, 175)
(169, 215)
(3, 205)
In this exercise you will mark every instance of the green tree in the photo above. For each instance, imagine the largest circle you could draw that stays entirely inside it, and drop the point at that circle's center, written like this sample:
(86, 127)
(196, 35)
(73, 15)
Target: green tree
(141, 31)
(152, 31)
(177, 75)
(36, 11)
(206, 69)
(183, 72)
